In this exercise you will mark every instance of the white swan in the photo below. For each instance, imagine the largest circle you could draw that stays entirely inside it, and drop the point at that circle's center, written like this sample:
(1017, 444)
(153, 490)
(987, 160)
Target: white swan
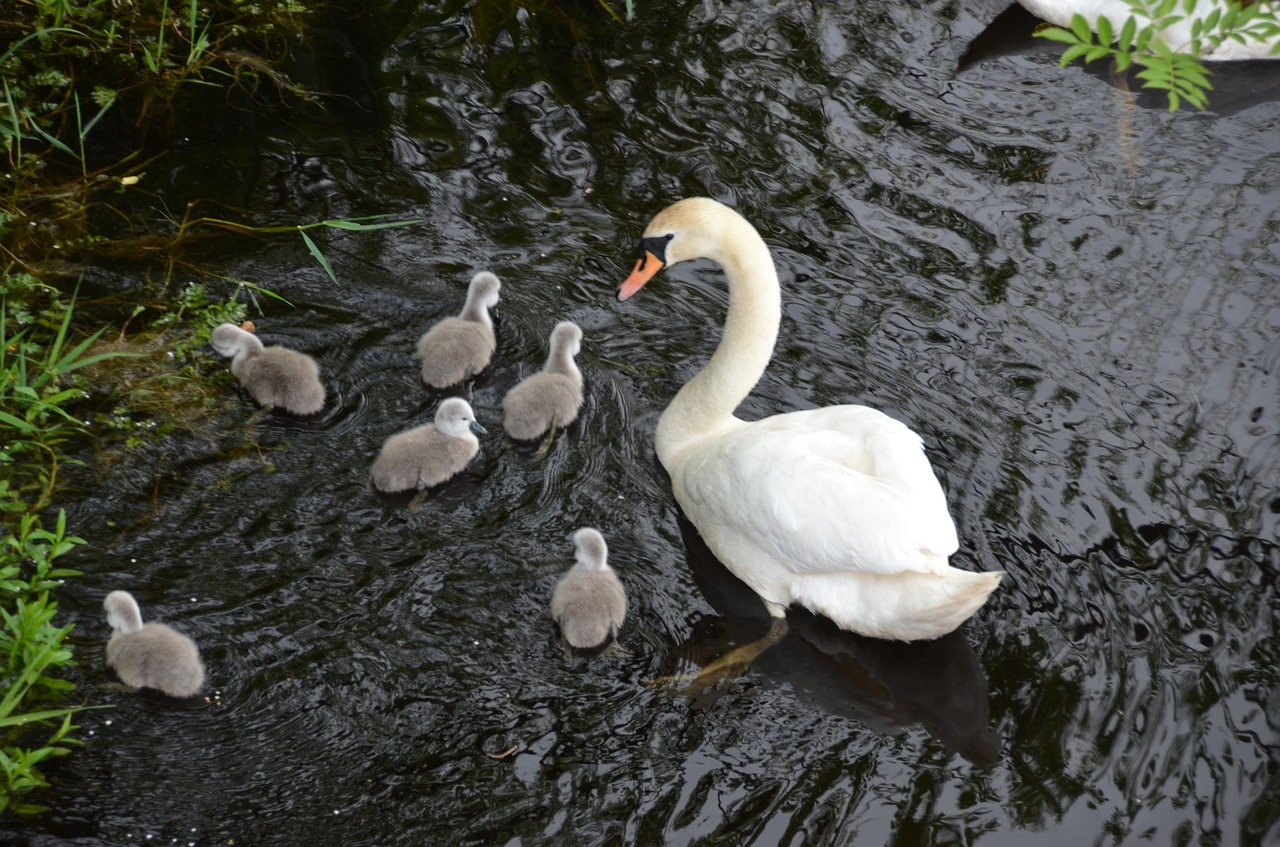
(273, 376)
(458, 348)
(552, 397)
(431, 454)
(1177, 36)
(835, 509)
(589, 603)
(150, 655)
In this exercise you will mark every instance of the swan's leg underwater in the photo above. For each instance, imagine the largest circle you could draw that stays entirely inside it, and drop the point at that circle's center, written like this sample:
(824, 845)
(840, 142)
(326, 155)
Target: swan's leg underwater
(734, 663)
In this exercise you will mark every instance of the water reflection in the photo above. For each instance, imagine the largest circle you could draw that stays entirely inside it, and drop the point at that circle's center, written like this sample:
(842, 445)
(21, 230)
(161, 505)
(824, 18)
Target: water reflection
(884, 685)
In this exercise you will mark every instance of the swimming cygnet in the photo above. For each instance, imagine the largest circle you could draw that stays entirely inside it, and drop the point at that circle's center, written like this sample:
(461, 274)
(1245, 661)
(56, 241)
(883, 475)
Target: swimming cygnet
(589, 603)
(459, 348)
(273, 376)
(552, 397)
(150, 655)
(427, 455)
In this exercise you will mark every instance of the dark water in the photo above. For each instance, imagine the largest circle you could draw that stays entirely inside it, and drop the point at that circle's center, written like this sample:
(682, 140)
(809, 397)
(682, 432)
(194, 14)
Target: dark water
(1075, 300)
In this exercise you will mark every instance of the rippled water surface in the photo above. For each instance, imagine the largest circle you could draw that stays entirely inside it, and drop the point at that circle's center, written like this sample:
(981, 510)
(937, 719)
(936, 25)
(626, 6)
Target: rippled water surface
(1074, 297)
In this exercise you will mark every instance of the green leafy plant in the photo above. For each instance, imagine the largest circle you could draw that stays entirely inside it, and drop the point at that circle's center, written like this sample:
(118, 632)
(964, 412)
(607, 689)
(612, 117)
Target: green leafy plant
(1169, 40)
(369, 223)
(34, 725)
(33, 398)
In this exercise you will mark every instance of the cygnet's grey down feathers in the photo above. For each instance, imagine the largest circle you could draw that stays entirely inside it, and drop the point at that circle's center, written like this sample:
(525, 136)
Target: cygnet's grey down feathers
(551, 397)
(589, 602)
(428, 455)
(458, 348)
(150, 655)
(276, 377)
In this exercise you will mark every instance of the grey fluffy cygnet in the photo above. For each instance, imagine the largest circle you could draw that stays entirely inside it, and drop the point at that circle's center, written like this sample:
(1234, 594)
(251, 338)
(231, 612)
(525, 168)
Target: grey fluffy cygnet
(150, 655)
(274, 376)
(589, 603)
(458, 348)
(428, 455)
(552, 397)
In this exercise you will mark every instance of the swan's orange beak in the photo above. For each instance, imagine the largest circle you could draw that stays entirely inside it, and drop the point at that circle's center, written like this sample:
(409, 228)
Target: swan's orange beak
(646, 267)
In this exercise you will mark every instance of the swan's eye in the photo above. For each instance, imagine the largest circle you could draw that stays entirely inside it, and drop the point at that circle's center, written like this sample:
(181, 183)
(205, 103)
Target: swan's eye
(657, 246)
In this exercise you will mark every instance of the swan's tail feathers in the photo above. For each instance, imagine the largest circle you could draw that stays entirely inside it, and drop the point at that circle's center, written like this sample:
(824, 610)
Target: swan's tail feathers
(903, 607)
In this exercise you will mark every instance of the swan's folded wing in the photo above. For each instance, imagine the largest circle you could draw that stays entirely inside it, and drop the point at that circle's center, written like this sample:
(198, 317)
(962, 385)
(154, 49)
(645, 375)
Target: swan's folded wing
(820, 499)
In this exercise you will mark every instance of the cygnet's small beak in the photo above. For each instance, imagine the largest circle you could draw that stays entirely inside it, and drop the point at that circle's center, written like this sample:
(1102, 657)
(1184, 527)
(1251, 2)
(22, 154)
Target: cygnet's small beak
(479, 430)
(646, 267)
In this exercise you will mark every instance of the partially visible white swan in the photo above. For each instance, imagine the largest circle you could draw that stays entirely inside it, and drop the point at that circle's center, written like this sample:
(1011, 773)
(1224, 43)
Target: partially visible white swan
(458, 348)
(426, 456)
(589, 603)
(835, 509)
(150, 655)
(1177, 36)
(273, 376)
(552, 397)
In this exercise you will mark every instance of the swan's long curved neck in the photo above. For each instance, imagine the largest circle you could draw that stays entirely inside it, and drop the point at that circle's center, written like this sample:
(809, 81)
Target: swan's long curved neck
(705, 405)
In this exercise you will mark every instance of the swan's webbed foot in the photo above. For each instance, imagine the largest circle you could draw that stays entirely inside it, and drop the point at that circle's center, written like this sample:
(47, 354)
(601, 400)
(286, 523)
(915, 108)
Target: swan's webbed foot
(728, 667)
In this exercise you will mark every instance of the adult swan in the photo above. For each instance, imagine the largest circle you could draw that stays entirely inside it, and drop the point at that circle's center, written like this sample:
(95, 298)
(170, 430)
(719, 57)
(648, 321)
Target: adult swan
(834, 509)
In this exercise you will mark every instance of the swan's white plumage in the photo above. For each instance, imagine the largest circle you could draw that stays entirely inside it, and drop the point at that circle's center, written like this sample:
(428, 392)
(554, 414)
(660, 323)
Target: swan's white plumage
(836, 508)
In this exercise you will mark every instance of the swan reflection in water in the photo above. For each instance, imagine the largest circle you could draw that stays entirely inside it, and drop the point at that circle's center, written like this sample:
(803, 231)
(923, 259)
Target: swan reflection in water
(887, 686)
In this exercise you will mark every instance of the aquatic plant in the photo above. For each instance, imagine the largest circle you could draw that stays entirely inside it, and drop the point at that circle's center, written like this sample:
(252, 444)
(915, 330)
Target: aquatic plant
(1142, 39)
(34, 725)
(368, 223)
(37, 367)
(34, 396)
(83, 80)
